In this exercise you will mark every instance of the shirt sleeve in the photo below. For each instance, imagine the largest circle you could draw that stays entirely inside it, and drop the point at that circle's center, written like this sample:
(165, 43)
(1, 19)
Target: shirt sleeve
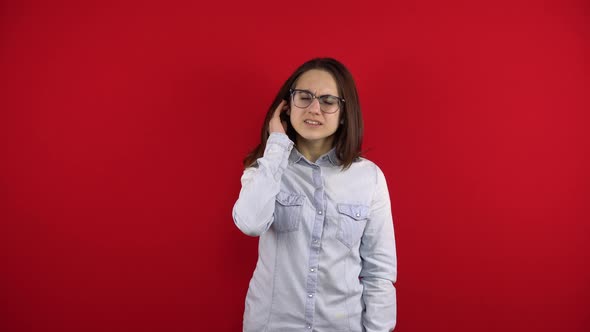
(254, 209)
(379, 259)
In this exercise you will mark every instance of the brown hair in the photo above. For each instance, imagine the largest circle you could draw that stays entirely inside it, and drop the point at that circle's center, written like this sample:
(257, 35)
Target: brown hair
(348, 138)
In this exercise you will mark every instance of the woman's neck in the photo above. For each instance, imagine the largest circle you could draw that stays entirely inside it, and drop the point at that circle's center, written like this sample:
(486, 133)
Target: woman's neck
(313, 150)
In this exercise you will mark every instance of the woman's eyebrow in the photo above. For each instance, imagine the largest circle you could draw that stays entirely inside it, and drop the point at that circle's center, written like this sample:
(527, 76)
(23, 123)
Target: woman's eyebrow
(325, 94)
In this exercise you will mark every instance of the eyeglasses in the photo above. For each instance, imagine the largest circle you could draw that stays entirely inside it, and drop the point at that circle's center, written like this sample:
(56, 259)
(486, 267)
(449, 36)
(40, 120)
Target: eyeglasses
(328, 103)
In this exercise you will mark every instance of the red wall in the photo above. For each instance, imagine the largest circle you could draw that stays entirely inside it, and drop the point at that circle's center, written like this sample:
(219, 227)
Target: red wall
(123, 127)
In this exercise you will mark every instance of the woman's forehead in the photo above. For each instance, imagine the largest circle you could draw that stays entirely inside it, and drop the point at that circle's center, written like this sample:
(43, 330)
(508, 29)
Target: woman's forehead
(318, 82)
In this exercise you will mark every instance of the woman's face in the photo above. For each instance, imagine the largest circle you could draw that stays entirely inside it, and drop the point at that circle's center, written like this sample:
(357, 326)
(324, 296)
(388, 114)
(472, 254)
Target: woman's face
(311, 124)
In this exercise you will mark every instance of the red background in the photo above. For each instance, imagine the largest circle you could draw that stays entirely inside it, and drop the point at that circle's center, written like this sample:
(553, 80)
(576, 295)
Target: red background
(123, 127)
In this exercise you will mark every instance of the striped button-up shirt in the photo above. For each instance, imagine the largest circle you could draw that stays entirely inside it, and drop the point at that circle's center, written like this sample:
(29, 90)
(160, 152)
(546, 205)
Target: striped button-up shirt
(326, 252)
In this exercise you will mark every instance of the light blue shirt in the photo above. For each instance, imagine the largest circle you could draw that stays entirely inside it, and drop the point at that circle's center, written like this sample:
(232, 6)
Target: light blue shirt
(326, 252)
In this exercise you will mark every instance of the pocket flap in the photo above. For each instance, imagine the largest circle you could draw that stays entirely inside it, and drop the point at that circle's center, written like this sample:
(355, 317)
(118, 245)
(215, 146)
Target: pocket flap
(355, 211)
(288, 199)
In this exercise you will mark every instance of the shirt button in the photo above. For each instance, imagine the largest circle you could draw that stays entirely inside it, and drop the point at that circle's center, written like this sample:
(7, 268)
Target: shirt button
(312, 269)
(310, 295)
(315, 240)
(358, 214)
(309, 327)
(319, 212)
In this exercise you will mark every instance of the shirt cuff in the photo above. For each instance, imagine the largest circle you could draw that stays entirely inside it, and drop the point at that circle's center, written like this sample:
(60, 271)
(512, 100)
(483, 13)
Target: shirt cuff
(280, 139)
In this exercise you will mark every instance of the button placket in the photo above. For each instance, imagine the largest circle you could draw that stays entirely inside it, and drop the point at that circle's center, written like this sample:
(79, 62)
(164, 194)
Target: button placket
(314, 253)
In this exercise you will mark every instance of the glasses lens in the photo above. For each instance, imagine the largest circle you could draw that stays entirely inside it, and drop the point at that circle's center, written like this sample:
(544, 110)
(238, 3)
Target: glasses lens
(302, 99)
(329, 104)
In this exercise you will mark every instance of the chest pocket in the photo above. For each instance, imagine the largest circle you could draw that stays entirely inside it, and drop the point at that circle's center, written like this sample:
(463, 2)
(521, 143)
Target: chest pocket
(352, 220)
(288, 212)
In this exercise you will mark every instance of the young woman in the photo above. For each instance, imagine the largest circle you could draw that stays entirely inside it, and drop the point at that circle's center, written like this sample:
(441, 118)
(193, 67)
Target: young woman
(326, 255)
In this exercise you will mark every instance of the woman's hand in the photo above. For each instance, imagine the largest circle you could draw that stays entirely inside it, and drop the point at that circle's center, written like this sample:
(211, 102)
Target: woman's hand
(276, 124)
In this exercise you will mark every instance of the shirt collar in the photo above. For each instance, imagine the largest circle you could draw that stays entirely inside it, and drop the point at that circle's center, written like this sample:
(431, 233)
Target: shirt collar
(328, 158)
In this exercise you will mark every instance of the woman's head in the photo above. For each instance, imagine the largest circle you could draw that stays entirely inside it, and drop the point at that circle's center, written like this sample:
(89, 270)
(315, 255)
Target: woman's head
(341, 125)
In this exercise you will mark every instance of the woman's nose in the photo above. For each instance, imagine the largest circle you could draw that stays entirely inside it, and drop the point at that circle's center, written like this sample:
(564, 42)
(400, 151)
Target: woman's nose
(314, 107)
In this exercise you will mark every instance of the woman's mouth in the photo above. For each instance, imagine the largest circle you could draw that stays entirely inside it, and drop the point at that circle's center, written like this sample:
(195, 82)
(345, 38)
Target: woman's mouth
(312, 123)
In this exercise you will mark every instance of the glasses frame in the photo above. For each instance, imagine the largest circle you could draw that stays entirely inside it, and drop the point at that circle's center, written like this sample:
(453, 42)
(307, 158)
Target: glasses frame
(341, 100)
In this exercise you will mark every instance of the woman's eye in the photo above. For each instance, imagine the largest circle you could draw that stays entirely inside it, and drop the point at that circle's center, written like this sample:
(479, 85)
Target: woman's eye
(329, 101)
